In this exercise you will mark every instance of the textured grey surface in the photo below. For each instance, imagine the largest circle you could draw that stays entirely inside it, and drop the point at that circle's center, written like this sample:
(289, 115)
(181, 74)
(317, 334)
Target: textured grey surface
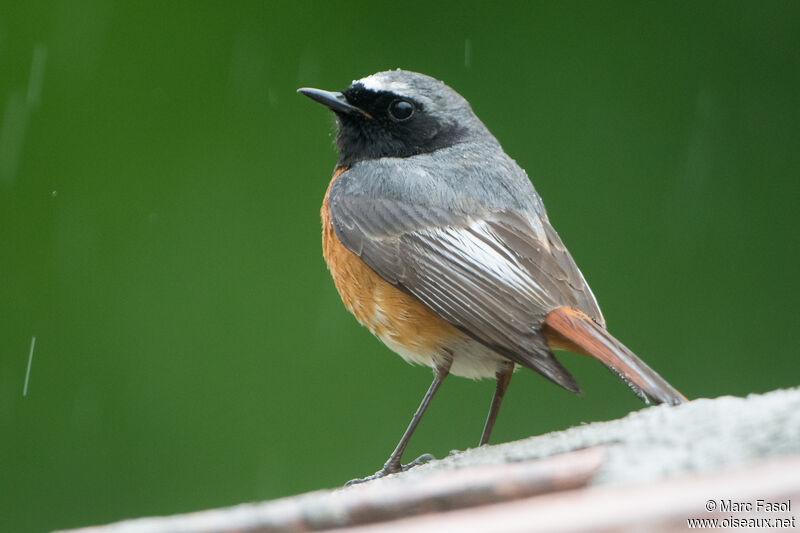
(647, 445)
(664, 441)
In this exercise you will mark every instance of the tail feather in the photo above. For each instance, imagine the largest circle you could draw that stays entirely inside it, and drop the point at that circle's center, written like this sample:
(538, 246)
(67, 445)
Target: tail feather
(573, 330)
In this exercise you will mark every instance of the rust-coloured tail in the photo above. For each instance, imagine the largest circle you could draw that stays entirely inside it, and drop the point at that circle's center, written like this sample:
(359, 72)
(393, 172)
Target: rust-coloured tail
(572, 330)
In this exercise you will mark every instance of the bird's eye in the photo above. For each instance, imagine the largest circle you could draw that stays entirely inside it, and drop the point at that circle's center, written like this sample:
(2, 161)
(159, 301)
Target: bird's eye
(401, 110)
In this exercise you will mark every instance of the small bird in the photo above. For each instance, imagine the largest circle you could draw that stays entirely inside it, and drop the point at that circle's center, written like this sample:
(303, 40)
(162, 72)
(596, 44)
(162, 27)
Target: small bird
(439, 244)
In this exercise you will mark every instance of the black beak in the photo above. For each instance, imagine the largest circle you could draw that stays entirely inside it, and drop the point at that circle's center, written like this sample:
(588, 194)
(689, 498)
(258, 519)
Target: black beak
(334, 101)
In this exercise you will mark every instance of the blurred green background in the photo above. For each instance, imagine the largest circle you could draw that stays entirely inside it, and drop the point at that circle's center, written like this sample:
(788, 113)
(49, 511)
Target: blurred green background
(160, 184)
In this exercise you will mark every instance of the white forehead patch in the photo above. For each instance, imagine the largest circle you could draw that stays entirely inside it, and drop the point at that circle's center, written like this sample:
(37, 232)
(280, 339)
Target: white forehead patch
(377, 82)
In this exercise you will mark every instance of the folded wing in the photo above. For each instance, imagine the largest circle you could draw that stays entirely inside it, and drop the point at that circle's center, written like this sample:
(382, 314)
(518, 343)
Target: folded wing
(494, 275)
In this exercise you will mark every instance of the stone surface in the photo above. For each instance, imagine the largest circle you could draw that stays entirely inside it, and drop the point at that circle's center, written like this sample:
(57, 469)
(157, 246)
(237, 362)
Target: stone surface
(648, 446)
(663, 441)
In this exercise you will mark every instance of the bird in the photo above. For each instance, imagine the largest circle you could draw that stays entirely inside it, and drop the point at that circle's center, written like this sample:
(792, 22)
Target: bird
(439, 244)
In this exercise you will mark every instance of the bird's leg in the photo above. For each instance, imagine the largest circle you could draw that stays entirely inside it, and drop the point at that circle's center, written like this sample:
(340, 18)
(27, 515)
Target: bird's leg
(394, 465)
(503, 378)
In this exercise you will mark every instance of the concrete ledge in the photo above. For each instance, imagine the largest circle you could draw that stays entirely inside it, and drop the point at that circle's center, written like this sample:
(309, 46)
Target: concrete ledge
(706, 450)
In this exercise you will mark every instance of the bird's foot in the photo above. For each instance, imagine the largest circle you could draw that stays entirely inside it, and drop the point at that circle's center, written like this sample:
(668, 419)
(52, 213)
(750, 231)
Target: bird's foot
(392, 468)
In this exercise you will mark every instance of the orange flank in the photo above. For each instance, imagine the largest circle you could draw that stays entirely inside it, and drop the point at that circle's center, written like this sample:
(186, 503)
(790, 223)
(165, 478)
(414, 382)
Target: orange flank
(389, 313)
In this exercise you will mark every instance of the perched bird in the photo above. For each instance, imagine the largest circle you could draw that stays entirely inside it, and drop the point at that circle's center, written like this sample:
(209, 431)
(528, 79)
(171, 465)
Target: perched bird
(438, 243)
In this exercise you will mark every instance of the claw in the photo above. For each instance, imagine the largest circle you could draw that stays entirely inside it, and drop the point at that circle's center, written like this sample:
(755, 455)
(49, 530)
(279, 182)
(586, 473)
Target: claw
(390, 468)
(422, 459)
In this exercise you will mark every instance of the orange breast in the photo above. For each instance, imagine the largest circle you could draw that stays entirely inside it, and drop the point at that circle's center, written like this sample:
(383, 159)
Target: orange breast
(398, 319)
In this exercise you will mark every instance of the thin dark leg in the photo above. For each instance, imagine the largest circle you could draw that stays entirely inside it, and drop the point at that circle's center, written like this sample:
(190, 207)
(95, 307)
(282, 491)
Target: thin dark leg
(394, 463)
(503, 378)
